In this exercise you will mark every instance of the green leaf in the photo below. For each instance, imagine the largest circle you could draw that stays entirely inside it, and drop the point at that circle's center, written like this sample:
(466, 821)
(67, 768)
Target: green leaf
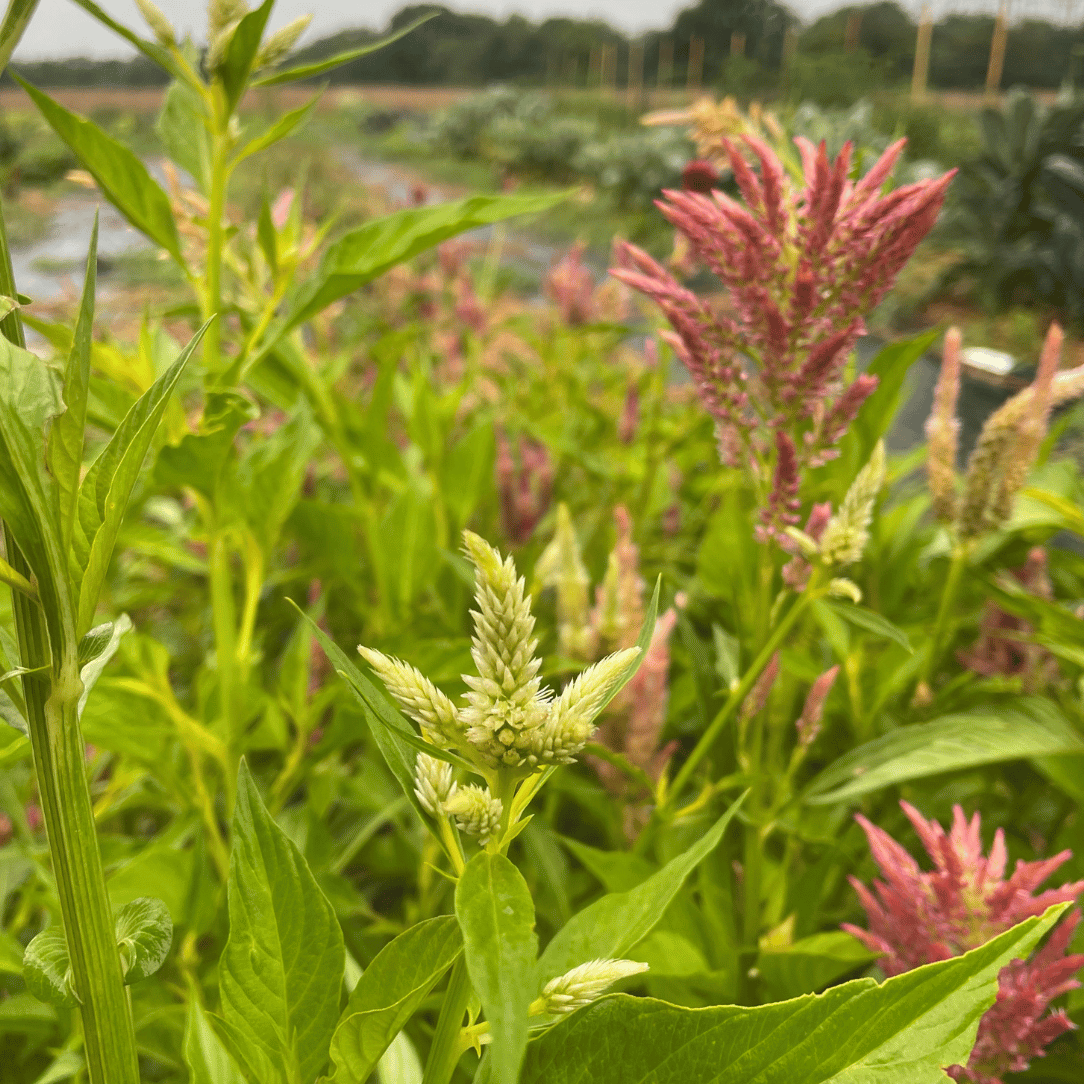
(900, 1032)
(890, 366)
(389, 993)
(496, 914)
(66, 432)
(267, 236)
(241, 53)
(278, 131)
(372, 249)
(612, 925)
(96, 649)
(391, 732)
(47, 968)
(282, 968)
(16, 19)
(1033, 728)
(30, 397)
(207, 1059)
(869, 620)
(144, 937)
(103, 496)
(159, 54)
(182, 128)
(307, 71)
(122, 177)
(810, 964)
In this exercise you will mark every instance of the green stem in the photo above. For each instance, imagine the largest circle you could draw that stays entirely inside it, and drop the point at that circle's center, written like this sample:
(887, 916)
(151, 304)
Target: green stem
(742, 689)
(752, 877)
(59, 754)
(212, 340)
(445, 1051)
(944, 610)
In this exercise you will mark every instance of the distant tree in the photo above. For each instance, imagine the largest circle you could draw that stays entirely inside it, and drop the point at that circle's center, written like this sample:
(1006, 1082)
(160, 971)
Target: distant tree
(763, 22)
(886, 32)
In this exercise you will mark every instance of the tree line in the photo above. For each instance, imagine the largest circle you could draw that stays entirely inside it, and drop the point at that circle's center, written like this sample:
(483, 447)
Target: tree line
(753, 39)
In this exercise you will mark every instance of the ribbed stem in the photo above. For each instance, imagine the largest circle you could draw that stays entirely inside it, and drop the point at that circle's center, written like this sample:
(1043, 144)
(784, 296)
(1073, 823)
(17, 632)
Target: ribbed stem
(60, 764)
(446, 1050)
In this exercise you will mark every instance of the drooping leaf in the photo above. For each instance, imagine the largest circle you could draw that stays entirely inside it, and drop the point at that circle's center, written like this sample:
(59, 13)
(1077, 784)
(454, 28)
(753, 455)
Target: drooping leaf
(308, 71)
(496, 914)
(281, 970)
(388, 994)
(241, 53)
(47, 968)
(900, 1032)
(612, 925)
(66, 432)
(103, 496)
(144, 937)
(869, 620)
(1031, 728)
(207, 1059)
(368, 251)
(122, 177)
(96, 649)
(810, 964)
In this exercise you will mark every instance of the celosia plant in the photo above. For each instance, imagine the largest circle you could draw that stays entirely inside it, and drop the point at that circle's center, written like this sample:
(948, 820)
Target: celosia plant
(917, 917)
(802, 265)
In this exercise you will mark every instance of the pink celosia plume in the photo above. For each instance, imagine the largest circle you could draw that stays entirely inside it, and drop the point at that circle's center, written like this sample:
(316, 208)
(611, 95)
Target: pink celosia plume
(801, 264)
(524, 485)
(916, 917)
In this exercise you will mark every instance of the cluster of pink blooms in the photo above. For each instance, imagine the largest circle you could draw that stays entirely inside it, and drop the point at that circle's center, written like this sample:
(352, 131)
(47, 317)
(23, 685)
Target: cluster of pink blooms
(917, 917)
(524, 471)
(801, 265)
(570, 285)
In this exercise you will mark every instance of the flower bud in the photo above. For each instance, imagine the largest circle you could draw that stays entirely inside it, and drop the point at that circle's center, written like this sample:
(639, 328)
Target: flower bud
(583, 984)
(433, 783)
(152, 15)
(419, 698)
(476, 811)
(281, 42)
(847, 534)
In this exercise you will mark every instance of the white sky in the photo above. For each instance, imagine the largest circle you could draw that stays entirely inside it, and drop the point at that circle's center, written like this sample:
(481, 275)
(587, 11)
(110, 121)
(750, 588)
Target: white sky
(61, 29)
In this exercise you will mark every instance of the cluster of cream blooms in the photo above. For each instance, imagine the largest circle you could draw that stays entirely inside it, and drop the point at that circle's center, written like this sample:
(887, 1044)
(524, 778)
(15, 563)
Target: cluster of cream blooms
(509, 726)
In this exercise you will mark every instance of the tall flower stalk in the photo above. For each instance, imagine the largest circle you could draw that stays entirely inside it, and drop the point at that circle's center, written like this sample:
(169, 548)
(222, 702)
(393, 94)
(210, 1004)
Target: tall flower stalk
(802, 264)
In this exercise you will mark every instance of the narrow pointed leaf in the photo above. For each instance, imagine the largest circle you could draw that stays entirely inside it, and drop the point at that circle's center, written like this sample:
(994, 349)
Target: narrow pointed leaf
(279, 130)
(16, 19)
(282, 968)
(496, 914)
(241, 53)
(869, 620)
(103, 496)
(159, 54)
(612, 925)
(389, 993)
(207, 1059)
(367, 252)
(1032, 728)
(122, 177)
(66, 433)
(391, 732)
(903, 1031)
(308, 71)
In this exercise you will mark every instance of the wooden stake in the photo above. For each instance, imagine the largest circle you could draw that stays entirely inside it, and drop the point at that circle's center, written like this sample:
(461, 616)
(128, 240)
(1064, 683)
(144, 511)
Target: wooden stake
(609, 68)
(920, 75)
(594, 66)
(854, 29)
(636, 75)
(695, 71)
(997, 53)
(664, 77)
(737, 43)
